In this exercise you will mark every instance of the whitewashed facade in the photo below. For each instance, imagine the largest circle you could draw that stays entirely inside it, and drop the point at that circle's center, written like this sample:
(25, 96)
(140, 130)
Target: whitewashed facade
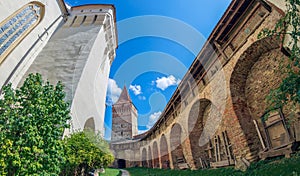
(74, 45)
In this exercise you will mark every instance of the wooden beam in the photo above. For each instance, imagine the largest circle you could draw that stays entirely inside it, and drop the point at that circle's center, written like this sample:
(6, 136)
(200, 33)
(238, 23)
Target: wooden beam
(259, 135)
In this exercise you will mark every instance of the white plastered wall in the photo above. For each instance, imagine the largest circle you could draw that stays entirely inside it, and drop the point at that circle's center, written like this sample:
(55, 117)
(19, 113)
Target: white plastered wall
(52, 14)
(89, 99)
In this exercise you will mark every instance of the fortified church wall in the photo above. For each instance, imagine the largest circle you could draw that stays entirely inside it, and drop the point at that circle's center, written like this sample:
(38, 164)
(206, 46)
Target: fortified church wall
(212, 116)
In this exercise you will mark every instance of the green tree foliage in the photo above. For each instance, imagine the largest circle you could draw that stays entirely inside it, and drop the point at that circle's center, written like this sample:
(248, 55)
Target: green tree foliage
(32, 122)
(287, 29)
(86, 151)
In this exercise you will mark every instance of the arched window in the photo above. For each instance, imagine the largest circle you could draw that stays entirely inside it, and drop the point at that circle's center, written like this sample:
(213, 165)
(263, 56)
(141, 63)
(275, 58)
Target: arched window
(15, 28)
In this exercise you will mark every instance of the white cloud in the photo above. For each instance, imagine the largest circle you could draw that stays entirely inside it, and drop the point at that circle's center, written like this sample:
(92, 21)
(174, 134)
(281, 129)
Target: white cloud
(165, 82)
(136, 89)
(142, 131)
(153, 118)
(68, 6)
(113, 92)
(141, 97)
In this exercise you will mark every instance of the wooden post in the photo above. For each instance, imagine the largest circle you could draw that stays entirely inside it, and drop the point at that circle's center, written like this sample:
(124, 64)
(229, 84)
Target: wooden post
(227, 148)
(210, 149)
(259, 135)
(216, 151)
(201, 163)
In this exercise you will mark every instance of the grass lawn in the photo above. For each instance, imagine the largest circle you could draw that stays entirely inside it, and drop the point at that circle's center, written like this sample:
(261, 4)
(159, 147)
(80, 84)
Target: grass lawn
(111, 172)
(274, 167)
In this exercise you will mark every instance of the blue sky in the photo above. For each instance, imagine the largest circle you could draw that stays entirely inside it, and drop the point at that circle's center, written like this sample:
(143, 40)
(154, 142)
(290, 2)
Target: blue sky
(158, 40)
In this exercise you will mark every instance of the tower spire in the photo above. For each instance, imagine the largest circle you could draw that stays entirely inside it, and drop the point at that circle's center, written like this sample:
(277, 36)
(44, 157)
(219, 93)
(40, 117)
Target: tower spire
(124, 96)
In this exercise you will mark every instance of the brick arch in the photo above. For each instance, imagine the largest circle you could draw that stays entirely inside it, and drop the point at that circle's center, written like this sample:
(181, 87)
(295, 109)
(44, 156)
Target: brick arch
(164, 153)
(150, 164)
(89, 124)
(238, 87)
(176, 144)
(144, 158)
(155, 155)
(196, 121)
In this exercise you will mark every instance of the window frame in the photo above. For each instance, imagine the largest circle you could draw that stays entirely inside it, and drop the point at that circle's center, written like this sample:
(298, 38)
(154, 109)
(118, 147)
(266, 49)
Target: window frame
(24, 33)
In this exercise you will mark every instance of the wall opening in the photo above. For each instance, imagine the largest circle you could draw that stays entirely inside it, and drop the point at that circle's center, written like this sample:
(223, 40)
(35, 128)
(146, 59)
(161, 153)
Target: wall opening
(155, 156)
(121, 163)
(150, 165)
(164, 153)
(89, 124)
(176, 145)
(197, 119)
(144, 158)
(255, 74)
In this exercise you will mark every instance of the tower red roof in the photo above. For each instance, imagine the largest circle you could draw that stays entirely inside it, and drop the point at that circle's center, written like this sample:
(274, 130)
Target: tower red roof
(124, 97)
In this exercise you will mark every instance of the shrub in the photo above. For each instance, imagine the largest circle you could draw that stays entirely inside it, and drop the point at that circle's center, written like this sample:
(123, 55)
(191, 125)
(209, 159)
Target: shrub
(32, 122)
(85, 151)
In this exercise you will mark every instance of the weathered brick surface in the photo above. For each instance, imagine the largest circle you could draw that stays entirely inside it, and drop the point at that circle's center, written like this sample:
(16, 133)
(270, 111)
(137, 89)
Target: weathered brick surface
(264, 76)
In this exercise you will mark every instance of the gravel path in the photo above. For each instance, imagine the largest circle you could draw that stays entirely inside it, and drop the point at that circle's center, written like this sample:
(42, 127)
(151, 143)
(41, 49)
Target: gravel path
(124, 172)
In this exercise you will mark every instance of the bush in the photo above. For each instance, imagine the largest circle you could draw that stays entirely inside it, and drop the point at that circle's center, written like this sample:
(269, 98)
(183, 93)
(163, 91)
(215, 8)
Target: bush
(32, 122)
(86, 151)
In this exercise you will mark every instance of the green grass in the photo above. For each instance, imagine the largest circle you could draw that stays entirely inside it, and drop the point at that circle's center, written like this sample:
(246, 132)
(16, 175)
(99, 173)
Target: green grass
(166, 172)
(111, 172)
(274, 167)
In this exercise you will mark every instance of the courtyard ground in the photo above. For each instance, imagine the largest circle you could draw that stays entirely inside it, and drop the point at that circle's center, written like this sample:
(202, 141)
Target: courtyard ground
(111, 172)
(273, 167)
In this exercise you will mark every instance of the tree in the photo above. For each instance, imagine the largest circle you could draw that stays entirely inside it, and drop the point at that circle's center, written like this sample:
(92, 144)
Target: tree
(85, 151)
(287, 29)
(32, 122)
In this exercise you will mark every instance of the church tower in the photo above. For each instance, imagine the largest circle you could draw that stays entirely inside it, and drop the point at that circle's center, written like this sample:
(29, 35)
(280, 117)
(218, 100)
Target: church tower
(124, 118)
